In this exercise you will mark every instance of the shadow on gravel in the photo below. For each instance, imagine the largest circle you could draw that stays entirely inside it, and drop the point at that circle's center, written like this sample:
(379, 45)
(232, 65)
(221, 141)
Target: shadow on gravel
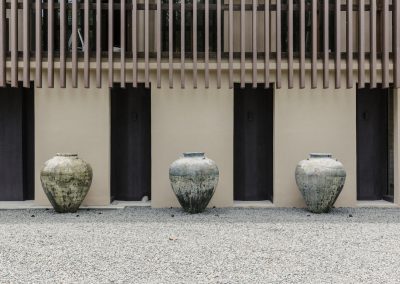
(211, 216)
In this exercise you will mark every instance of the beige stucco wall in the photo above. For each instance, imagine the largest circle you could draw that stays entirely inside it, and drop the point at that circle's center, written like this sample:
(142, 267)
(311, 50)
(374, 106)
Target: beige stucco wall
(308, 120)
(74, 120)
(305, 120)
(191, 120)
(313, 120)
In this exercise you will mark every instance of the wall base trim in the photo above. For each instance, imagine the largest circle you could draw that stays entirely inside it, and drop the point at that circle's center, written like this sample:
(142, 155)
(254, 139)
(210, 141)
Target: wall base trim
(253, 204)
(376, 204)
(30, 204)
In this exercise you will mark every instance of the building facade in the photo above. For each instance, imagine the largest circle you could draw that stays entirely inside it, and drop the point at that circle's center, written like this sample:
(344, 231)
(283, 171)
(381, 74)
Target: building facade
(256, 85)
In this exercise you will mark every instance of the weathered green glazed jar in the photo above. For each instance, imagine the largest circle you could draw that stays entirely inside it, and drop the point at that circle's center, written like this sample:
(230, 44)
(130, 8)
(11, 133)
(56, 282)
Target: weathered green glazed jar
(66, 180)
(320, 180)
(194, 179)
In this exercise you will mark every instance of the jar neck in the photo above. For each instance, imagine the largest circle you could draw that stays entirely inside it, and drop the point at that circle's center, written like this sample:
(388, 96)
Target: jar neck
(67, 155)
(193, 155)
(320, 155)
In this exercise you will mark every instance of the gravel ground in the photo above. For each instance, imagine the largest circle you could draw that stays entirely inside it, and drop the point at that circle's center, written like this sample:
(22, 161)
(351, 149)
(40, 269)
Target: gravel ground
(143, 245)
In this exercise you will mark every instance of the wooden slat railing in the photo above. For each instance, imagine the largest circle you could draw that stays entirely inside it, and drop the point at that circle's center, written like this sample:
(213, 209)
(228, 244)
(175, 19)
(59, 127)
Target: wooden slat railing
(86, 47)
(63, 35)
(349, 43)
(14, 43)
(2, 43)
(74, 40)
(98, 44)
(26, 59)
(326, 44)
(266, 44)
(361, 47)
(278, 41)
(373, 37)
(134, 44)
(396, 43)
(111, 43)
(278, 31)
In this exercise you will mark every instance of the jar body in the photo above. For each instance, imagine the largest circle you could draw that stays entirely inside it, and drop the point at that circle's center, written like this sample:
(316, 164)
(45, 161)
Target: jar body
(66, 180)
(320, 180)
(194, 179)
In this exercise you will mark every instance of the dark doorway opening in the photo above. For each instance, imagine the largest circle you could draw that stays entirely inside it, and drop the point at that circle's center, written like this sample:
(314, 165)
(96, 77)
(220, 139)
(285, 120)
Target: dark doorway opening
(253, 143)
(374, 144)
(130, 143)
(17, 143)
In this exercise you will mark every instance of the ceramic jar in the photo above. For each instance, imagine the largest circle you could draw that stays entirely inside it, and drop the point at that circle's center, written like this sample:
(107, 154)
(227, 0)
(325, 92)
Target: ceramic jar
(66, 180)
(194, 179)
(320, 180)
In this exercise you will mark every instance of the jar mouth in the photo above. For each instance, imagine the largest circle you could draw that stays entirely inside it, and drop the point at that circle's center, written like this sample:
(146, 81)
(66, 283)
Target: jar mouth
(67, 155)
(320, 155)
(193, 154)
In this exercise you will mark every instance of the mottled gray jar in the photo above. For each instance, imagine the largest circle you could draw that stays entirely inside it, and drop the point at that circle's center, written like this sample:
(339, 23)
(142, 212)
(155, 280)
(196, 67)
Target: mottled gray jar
(194, 179)
(320, 180)
(66, 180)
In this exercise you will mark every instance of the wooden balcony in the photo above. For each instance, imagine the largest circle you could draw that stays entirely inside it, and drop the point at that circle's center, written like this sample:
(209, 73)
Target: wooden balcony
(280, 39)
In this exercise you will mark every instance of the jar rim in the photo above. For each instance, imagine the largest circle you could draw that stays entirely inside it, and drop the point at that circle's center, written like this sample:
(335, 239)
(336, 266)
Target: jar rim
(193, 154)
(320, 155)
(67, 155)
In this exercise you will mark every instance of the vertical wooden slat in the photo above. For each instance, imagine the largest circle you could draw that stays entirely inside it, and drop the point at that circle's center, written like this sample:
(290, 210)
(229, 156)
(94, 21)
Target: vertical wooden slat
(207, 42)
(373, 45)
(182, 44)
(98, 44)
(86, 45)
(278, 44)
(38, 49)
(110, 43)
(63, 34)
(385, 45)
(254, 36)
(302, 44)
(326, 44)
(361, 44)
(396, 43)
(14, 43)
(219, 37)
(171, 42)
(338, 58)
(230, 43)
(290, 44)
(74, 44)
(123, 44)
(158, 40)
(50, 44)
(134, 43)
(266, 43)
(195, 44)
(314, 45)
(146, 44)
(349, 48)
(2, 43)
(242, 44)
(26, 20)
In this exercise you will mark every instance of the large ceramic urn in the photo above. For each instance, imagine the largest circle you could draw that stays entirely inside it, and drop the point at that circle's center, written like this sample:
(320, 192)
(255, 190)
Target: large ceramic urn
(320, 180)
(66, 180)
(194, 179)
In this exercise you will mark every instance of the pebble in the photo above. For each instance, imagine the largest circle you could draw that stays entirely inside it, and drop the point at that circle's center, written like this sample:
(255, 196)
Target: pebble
(274, 245)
